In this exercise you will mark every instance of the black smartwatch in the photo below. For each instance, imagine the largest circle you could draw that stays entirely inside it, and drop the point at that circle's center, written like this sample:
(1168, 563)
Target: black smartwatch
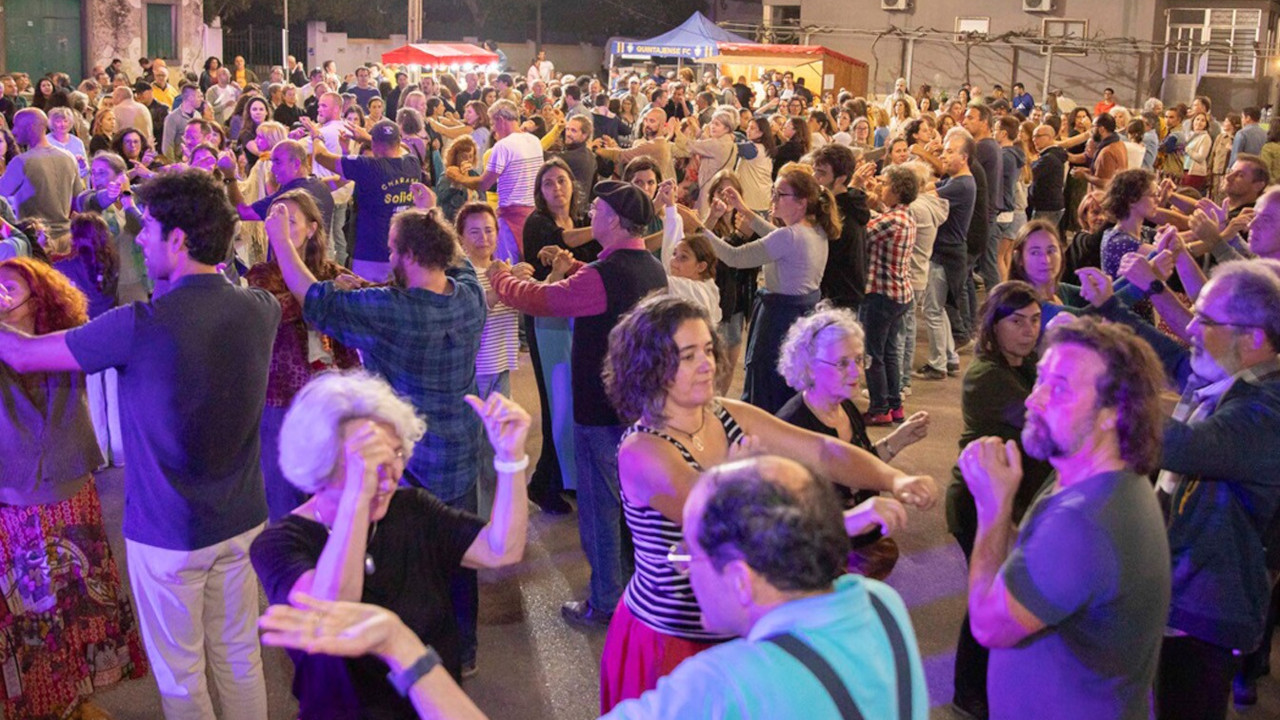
(404, 680)
(1156, 287)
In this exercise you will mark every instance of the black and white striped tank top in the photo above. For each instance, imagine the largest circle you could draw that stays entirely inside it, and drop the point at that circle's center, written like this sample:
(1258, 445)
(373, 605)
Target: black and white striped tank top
(658, 595)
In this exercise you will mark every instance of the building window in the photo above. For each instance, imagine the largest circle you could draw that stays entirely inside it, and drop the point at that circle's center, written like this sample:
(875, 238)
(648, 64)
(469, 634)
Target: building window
(967, 27)
(1066, 37)
(1224, 40)
(161, 35)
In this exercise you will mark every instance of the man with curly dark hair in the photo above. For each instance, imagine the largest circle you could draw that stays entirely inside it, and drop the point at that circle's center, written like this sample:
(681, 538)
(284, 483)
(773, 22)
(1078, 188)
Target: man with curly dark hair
(193, 376)
(1073, 602)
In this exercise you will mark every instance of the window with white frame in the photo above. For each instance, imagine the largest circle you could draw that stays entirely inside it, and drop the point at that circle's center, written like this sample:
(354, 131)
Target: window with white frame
(1066, 36)
(967, 27)
(1226, 40)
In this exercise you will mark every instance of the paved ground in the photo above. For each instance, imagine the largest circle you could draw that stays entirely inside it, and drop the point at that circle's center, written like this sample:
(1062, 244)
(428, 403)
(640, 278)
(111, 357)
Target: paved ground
(533, 666)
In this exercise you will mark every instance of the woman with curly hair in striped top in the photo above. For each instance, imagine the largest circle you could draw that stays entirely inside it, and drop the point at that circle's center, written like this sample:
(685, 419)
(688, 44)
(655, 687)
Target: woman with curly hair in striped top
(660, 372)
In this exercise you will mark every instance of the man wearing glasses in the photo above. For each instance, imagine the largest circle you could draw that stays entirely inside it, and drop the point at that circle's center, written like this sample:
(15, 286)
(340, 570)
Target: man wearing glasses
(1221, 477)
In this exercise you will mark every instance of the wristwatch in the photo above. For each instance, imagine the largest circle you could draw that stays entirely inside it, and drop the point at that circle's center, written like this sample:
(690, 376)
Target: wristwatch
(404, 680)
(1155, 288)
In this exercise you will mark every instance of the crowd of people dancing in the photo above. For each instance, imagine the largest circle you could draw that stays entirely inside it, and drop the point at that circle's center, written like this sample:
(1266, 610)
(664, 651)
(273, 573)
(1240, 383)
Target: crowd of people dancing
(291, 309)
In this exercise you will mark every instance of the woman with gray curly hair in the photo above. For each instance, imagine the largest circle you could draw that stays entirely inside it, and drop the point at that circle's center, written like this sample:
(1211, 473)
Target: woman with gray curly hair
(363, 538)
(660, 371)
(823, 358)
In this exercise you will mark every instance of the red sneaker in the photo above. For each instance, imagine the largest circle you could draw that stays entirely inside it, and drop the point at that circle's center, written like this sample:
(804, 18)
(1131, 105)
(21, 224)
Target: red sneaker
(877, 420)
(897, 414)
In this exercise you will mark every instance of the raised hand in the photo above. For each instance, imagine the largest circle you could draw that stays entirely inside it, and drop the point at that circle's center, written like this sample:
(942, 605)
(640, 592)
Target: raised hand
(522, 271)
(423, 198)
(369, 461)
(992, 468)
(505, 422)
(277, 227)
(562, 262)
(914, 429)
(1095, 286)
(666, 195)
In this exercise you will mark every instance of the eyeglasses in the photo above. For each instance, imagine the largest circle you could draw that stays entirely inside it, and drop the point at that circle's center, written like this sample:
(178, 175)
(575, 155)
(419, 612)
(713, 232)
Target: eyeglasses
(775, 195)
(681, 559)
(862, 362)
(1209, 322)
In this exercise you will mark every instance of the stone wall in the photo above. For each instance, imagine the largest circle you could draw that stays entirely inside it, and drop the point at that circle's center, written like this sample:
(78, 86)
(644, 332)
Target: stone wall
(115, 29)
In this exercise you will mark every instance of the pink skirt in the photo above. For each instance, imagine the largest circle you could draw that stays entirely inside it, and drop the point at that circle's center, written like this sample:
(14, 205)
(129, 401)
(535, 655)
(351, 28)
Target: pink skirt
(635, 656)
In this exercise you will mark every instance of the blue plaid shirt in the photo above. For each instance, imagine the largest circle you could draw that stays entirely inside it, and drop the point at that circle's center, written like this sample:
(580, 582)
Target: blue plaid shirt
(425, 345)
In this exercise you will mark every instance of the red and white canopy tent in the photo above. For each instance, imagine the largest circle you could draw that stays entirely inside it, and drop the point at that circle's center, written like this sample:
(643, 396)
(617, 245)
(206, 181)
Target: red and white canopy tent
(439, 56)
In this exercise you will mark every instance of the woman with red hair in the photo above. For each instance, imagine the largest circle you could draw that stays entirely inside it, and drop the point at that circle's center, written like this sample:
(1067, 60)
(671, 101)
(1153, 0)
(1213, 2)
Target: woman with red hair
(70, 628)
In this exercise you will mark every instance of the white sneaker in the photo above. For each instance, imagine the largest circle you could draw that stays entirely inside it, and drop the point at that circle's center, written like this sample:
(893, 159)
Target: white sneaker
(905, 391)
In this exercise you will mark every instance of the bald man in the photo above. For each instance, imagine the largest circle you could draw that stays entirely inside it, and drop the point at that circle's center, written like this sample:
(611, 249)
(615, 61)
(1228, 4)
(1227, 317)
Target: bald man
(43, 179)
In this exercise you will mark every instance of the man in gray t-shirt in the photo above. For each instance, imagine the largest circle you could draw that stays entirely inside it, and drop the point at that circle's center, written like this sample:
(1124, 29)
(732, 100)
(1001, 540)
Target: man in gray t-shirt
(1073, 604)
(43, 179)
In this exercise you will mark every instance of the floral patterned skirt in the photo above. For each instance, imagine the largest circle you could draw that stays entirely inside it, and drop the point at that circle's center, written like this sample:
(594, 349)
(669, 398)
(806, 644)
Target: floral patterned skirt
(66, 626)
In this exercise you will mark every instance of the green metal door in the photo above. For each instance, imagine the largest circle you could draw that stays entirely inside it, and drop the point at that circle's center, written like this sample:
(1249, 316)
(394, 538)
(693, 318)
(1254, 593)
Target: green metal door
(160, 42)
(42, 36)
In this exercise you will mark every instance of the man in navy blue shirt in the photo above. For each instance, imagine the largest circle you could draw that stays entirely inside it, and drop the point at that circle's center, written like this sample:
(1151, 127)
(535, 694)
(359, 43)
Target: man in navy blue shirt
(1022, 101)
(382, 181)
(193, 380)
(363, 91)
(289, 168)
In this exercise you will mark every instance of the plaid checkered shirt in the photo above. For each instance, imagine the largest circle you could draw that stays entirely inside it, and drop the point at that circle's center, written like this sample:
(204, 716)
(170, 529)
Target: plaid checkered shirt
(425, 345)
(891, 237)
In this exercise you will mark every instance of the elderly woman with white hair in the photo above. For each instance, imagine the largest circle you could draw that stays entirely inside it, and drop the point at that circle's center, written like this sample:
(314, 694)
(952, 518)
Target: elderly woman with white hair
(714, 150)
(823, 358)
(362, 538)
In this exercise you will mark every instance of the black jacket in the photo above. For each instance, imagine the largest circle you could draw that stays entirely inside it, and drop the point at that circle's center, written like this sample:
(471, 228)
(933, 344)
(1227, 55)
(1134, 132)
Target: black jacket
(1047, 179)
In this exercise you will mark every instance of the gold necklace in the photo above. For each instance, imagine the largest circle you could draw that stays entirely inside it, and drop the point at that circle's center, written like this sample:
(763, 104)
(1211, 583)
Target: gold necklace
(693, 436)
(369, 566)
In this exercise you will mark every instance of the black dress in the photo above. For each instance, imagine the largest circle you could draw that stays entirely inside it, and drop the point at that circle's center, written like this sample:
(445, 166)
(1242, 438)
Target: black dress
(798, 413)
(416, 548)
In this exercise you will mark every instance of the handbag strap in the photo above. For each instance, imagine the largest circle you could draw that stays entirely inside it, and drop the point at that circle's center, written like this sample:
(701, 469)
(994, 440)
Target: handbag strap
(831, 682)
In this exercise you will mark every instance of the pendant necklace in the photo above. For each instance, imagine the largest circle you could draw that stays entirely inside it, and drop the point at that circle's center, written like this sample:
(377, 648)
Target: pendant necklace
(369, 566)
(693, 436)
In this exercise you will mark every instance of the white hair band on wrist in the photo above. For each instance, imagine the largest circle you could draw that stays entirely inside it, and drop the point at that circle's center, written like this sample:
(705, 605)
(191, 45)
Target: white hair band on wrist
(511, 466)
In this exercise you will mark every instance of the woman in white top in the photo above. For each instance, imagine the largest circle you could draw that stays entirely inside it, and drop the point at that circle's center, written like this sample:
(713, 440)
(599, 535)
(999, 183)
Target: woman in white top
(714, 150)
(477, 227)
(1197, 158)
(820, 129)
(793, 257)
(755, 164)
(62, 120)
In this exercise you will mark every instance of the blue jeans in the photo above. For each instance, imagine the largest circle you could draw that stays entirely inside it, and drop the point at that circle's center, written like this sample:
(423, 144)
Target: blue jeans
(600, 511)
(338, 233)
(937, 324)
(882, 320)
(488, 480)
(464, 589)
(989, 261)
(906, 343)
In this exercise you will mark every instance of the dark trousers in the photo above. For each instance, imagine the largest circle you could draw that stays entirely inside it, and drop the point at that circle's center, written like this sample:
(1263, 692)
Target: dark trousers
(882, 320)
(1258, 663)
(546, 478)
(971, 656)
(1193, 681)
(464, 589)
(771, 316)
